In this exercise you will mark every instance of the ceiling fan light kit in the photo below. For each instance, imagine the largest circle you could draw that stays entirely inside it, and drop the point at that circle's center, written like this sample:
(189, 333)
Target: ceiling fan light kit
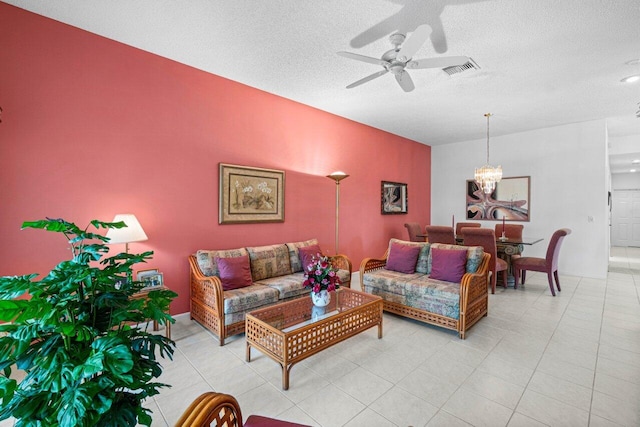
(400, 57)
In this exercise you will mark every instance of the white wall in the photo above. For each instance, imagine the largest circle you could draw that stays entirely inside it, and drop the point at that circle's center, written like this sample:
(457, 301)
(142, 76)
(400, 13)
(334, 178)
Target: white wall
(569, 184)
(626, 181)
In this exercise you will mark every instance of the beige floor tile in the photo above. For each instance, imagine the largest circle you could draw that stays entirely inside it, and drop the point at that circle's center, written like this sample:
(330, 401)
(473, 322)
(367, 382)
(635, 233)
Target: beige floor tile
(618, 370)
(330, 406)
(173, 405)
(477, 410)
(567, 371)
(561, 390)
(519, 420)
(523, 348)
(427, 387)
(494, 388)
(618, 388)
(363, 385)
(447, 369)
(265, 400)
(597, 421)
(510, 371)
(296, 415)
(235, 381)
(445, 419)
(550, 411)
(391, 367)
(621, 412)
(369, 418)
(403, 408)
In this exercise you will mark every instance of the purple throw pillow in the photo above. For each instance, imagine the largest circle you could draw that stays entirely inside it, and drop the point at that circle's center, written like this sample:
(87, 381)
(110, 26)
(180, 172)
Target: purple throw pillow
(403, 258)
(307, 253)
(234, 272)
(448, 264)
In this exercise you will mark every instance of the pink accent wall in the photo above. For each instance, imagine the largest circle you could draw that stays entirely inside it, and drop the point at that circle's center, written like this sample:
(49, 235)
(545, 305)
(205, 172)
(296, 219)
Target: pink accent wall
(92, 128)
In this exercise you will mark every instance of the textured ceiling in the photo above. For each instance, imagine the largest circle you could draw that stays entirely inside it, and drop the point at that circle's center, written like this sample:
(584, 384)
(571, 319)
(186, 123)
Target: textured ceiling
(542, 63)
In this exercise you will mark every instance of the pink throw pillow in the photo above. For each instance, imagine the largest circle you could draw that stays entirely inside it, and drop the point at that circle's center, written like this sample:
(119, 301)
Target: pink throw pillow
(234, 272)
(307, 253)
(403, 258)
(448, 264)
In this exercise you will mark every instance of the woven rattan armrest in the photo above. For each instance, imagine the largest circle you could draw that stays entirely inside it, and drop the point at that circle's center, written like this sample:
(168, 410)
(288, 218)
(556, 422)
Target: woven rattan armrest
(343, 263)
(214, 299)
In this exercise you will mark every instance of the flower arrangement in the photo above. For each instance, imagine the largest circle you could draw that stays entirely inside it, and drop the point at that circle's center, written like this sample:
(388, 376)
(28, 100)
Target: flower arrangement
(321, 275)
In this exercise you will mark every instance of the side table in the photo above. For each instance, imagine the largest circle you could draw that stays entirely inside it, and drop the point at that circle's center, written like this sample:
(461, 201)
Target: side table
(143, 295)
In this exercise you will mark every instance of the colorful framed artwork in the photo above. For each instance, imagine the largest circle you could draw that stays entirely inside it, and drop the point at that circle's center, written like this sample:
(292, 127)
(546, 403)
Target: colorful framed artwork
(510, 200)
(393, 198)
(249, 195)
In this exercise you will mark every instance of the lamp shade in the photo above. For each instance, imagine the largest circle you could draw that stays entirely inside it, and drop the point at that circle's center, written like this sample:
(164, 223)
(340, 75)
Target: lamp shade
(338, 176)
(133, 232)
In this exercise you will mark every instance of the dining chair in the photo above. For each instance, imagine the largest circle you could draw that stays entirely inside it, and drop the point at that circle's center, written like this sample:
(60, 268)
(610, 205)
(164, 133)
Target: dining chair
(460, 225)
(484, 237)
(440, 234)
(548, 264)
(511, 231)
(414, 229)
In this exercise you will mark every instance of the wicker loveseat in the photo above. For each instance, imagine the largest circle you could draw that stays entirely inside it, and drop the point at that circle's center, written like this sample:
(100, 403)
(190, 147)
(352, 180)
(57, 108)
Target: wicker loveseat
(276, 276)
(419, 296)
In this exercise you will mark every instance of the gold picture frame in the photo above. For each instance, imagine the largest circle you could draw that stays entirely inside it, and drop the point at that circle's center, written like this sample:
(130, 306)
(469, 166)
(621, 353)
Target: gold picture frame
(250, 195)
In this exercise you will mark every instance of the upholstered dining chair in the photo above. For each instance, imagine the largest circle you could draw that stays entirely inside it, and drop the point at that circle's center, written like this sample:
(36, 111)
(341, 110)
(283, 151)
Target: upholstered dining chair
(511, 231)
(440, 234)
(213, 409)
(461, 225)
(484, 237)
(548, 264)
(414, 229)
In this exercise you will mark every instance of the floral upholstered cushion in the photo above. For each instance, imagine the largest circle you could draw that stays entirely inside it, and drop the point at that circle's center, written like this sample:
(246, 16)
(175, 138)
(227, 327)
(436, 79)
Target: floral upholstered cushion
(207, 263)
(422, 264)
(248, 298)
(269, 261)
(415, 290)
(287, 286)
(294, 257)
(474, 255)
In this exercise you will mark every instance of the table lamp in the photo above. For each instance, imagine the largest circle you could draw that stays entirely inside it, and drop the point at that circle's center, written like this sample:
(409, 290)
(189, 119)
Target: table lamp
(133, 232)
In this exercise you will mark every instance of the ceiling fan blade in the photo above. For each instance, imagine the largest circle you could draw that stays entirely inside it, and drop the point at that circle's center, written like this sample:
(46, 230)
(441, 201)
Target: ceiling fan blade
(363, 58)
(413, 43)
(366, 79)
(405, 81)
(447, 61)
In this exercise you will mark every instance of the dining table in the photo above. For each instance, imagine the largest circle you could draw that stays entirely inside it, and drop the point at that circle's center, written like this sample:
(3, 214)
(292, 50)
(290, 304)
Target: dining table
(507, 248)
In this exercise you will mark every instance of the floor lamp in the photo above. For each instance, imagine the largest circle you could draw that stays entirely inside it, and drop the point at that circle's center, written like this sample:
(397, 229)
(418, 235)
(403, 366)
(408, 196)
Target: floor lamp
(337, 177)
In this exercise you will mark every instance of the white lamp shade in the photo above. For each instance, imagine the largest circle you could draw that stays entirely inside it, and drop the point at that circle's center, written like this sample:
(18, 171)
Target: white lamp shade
(133, 232)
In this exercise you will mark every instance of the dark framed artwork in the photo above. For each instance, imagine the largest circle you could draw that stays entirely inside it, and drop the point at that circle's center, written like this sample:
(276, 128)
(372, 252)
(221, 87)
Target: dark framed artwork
(393, 198)
(249, 195)
(510, 200)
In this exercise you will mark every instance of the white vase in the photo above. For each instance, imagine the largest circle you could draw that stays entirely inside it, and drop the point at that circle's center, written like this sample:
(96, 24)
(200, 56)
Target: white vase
(321, 299)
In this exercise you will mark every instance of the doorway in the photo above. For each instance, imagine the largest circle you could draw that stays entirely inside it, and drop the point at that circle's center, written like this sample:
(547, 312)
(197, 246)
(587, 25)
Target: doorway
(625, 218)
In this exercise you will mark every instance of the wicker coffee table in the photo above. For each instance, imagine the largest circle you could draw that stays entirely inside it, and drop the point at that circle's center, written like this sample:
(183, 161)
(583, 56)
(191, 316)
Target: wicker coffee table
(292, 331)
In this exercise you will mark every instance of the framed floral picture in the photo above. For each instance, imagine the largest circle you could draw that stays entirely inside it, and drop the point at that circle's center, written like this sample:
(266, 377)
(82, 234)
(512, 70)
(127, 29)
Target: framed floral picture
(393, 198)
(249, 195)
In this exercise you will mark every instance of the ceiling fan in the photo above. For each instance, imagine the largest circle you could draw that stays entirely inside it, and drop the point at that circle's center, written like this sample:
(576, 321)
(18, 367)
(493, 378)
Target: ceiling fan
(401, 57)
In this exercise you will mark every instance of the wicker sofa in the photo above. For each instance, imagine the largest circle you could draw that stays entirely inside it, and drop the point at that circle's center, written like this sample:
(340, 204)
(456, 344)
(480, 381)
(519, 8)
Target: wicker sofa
(276, 276)
(419, 296)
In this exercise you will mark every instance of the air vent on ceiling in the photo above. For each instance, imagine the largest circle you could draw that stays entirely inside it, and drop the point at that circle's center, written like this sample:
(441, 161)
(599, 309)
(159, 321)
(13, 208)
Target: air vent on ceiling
(469, 65)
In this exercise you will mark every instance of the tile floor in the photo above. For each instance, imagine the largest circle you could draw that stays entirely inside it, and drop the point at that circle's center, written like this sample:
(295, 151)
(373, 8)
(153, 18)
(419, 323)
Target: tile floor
(534, 361)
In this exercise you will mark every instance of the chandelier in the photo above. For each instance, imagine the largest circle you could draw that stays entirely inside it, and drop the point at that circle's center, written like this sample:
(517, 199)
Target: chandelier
(487, 176)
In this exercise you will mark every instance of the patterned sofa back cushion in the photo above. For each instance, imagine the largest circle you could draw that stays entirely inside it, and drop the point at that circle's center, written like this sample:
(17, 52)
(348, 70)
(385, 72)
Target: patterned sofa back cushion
(423, 265)
(207, 259)
(294, 255)
(474, 255)
(269, 261)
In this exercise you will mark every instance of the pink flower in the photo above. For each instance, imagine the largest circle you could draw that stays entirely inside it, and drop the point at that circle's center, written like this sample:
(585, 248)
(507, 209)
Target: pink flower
(316, 288)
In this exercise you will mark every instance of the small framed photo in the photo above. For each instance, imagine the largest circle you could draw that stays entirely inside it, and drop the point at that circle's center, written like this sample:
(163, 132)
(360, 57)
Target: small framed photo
(394, 198)
(151, 278)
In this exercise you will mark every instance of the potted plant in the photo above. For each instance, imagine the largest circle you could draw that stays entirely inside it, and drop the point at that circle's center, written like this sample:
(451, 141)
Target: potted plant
(85, 363)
